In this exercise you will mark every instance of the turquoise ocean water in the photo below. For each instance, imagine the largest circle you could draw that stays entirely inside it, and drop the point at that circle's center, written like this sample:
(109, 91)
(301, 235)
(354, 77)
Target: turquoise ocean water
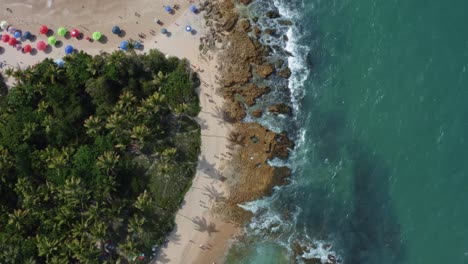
(380, 92)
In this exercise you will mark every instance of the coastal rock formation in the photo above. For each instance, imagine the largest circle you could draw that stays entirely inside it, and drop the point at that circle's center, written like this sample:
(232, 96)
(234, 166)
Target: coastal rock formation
(244, 24)
(253, 177)
(272, 14)
(246, 2)
(269, 31)
(302, 249)
(249, 93)
(280, 108)
(265, 70)
(233, 111)
(286, 73)
(257, 113)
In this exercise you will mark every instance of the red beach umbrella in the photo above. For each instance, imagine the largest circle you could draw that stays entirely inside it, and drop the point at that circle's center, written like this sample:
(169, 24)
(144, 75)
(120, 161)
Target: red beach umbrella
(44, 29)
(5, 38)
(41, 45)
(27, 48)
(12, 41)
(74, 33)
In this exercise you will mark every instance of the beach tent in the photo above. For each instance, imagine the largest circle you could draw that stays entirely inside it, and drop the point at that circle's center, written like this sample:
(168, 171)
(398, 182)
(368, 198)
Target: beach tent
(116, 30)
(41, 45)
(4, 25)
(69, 49)
(164, 31)
(193, 8)
(27, 35)
(97, 35)
(61, 31)
(17, 34)
(123, 45)
(5, 38)
(52, 40)
(12, 41)
(188, 28)
(44, 29)
(27, 48)
(168, 9)
(59, 62)
(75, 33)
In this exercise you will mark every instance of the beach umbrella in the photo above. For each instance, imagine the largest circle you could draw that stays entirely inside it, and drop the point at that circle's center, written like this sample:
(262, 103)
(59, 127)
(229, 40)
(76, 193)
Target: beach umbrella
(123, 45)
(44, 29)
(193, 8)
(61, 31)
(17, 34)
(5, 38)
(59, 62)
(52, 40)
(12, 41)
(4, 25)
(41, 45)
(75, 33)
(168, 9)
(69, 49)
(27, 48)
(11, 29)
(116, 30)
(18, 46)
(188, 28)
(27, 35)
(164, 31)
(97, 35)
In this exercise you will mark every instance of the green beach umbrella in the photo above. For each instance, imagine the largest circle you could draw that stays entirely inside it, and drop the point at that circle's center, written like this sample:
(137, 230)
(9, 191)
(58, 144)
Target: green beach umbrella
(97, 35)
(52, 40)
(62, 31)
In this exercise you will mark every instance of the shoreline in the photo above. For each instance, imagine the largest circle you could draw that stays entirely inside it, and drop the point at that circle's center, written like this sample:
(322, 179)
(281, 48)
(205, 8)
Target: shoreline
(233, 168)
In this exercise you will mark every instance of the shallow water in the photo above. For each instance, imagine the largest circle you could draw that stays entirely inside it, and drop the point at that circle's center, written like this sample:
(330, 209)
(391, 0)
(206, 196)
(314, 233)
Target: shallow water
(379, 166)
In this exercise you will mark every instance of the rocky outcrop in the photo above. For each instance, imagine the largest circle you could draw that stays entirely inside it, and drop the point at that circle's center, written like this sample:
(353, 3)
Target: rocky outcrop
(285, 73)
(272, 14)
(249, 93)
(264, 70)
(246, 2)
(280, 108)
(244, 25)
(252, 176)
(257, 113)
(270, 31)
(233, 111)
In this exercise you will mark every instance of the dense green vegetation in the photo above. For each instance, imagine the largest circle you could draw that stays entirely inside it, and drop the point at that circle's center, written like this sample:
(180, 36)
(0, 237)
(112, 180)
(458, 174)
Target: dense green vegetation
(95, 157)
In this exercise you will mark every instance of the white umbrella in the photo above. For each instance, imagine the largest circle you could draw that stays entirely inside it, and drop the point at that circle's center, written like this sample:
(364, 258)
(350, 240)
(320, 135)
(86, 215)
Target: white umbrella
(4, 24)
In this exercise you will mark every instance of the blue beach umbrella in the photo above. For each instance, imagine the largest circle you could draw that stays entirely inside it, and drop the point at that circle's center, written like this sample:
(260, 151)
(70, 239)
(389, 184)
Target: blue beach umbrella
(27, 35)
(123, 45)
(17, 34)
(164, 31)
(116, 30)
(69, 49)
(59, 62)
(188, 28)
(168, 9)
(193, 8)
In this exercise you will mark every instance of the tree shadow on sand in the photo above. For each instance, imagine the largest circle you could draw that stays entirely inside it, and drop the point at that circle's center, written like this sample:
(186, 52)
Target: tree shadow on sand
(213, 193)
(202, 225)
(210, 170)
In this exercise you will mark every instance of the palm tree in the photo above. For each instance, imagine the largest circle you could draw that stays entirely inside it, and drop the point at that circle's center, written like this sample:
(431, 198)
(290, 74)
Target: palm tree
(139, 133)
(18, 219)
(46, 247)
(108, 161)
(92, 125)
(126, 99)
(143, 201)
(115, 123)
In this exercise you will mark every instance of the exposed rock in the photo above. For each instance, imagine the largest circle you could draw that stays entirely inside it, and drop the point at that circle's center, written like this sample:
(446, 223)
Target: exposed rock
(249, 93)
(229, 20)
(234, 111)
(272, 14)
(257, 113)
(280, 108)
(252, 177)
(246, 2)
(255, 19)
(286, 73)
(285, 22)
(265, 70)
(257, 31)
(244, 24)
(285, 38)
(270, 31)
(279, 63)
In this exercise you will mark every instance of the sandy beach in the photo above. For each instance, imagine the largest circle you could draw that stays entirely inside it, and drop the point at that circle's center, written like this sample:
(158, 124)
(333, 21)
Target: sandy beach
(199, 236)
